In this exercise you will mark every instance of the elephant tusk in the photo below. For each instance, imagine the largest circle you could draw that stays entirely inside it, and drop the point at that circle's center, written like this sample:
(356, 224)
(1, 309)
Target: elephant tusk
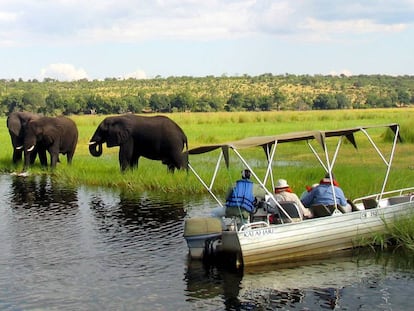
(92, 143)
(19, 147)
(31, 148)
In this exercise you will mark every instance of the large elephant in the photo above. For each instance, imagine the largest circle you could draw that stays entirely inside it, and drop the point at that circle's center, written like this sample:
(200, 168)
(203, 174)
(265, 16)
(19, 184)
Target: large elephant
(155, 138)
(16, 123)
(54, 134)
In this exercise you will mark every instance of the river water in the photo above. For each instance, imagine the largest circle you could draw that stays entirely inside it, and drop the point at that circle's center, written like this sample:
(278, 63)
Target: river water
(93, 249)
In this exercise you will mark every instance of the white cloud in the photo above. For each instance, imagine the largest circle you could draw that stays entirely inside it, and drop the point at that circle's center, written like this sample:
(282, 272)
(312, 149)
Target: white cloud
(77, 21)
(198, 37)
(350, 26)
(138, 74)
(344, 72)
(6, 17)
(63, 72)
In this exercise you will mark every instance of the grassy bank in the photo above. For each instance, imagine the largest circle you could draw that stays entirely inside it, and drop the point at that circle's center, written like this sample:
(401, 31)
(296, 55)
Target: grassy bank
(359, 172)
(397, 236)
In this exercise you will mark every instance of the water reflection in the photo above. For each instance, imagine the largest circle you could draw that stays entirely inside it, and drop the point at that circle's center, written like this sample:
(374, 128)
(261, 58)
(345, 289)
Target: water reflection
(41, 192)
(133, 210)
(94, 249)
(88, 249)
(351, 282)
(149, 230)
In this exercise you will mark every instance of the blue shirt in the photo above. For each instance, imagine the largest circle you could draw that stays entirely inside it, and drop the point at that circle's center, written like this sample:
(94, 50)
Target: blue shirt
(322, 194)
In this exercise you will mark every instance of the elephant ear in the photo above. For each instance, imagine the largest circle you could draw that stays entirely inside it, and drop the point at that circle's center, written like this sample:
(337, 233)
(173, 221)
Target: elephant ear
(123, 134)
(35, 128)
(118, 133)
(14, 126)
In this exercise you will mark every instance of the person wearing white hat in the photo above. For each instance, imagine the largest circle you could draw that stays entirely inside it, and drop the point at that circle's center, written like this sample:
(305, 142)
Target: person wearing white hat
(283, 192)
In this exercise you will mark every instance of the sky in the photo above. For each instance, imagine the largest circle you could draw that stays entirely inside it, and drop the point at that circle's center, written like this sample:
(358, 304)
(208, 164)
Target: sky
(97, 39)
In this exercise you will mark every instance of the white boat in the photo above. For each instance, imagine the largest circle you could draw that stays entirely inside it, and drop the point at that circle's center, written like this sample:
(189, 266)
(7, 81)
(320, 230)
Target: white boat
(259, 241)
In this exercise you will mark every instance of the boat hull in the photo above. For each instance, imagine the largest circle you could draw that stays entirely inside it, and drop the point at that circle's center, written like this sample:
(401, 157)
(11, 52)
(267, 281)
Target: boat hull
(197, 231)
(197, 244)
(314, 238)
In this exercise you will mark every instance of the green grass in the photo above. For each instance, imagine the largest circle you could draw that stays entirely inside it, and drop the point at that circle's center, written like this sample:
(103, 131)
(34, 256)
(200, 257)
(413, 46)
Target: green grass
(398, 235)
(355, 169)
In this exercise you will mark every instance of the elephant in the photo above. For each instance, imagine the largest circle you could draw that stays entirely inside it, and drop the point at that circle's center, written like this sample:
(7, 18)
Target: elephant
(54, 134)
(16, 123)
(155, 138)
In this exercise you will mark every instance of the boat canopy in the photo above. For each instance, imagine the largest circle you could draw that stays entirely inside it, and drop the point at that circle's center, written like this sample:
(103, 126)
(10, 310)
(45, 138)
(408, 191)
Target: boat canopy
(269, 143)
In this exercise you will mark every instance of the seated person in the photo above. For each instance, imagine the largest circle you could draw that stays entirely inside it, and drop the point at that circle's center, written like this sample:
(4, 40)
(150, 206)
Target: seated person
(308, 189)
(322, 194)
(241, 199)
(284, 193)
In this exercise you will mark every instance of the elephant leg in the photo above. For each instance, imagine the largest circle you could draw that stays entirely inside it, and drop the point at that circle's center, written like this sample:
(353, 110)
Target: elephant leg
(69, 156)
(53, 160)
(17, 156)
(42, 156)
(134, 160)
(33, 157)
(176, 161)
(54, 156)
(125, 156)
(171, 168)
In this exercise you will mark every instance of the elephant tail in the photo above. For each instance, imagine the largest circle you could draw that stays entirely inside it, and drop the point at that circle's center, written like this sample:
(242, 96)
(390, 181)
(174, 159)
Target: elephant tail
(185, 143)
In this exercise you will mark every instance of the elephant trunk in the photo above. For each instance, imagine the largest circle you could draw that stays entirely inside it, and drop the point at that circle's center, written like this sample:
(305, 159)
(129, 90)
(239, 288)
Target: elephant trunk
(95, 149)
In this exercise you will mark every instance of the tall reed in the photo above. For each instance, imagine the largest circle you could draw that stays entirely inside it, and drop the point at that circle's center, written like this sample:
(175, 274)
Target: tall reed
(398, 234)
(356, 169)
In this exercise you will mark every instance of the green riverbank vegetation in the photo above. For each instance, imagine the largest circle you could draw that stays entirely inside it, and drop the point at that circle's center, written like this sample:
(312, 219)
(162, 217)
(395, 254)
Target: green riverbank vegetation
(359, 172)
(397, 236)
(265, 92)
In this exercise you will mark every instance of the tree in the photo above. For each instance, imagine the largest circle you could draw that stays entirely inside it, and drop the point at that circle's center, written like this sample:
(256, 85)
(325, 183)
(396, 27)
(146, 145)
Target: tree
(278, 98)
(202, 104)
(235, 102)
(250, 103)
(325, 101)
(33, 101)
(403, 97)
(372, 100)
(74, 106)
(54, 101)
(182, 101)
(342, 101)
(11, 103)
(265, 103)
(140, 103)
(380, 101)
(159, 102)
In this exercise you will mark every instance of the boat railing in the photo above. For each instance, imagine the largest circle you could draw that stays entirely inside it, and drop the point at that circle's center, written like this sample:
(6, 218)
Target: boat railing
(386, 198)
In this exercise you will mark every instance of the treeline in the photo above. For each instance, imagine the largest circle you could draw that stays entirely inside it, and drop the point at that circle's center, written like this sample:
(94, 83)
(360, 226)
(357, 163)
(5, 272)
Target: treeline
(245, 93)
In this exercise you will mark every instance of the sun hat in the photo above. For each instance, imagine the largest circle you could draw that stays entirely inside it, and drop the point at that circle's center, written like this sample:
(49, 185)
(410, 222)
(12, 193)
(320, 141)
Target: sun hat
(281, 183)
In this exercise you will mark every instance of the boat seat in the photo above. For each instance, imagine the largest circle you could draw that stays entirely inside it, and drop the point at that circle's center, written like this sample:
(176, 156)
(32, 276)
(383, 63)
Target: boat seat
(342, 209)
(321, 210)
(399, 199)
(370, 203)
(261, 213)
(354, 207)
(292, 209)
